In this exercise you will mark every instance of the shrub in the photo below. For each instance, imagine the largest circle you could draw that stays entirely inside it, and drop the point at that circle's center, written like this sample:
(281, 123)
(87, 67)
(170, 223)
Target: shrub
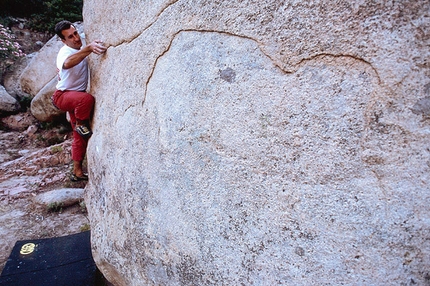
(55, 207)
(54, 11)
(42, 15)
(10, 50)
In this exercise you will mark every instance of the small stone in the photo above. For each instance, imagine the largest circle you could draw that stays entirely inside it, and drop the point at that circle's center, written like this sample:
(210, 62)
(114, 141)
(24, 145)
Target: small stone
(31, 130)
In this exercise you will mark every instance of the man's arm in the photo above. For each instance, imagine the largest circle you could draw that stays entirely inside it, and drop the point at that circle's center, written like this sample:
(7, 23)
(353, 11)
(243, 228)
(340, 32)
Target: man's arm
(95, 47)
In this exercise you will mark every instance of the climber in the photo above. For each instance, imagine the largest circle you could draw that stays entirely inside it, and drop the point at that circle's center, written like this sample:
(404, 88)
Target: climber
(71, 95)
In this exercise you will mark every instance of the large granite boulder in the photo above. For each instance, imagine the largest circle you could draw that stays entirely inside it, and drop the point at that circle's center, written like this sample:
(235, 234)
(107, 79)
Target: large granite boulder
(260, 142)
(41, 70)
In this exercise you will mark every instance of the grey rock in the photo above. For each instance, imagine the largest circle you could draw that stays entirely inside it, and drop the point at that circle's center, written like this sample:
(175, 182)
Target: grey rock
(260, 142)
(12, 81)
(61, 197)
(41, 105)
(41, 69)
(31, 130)
(8, 104)
(39, 44)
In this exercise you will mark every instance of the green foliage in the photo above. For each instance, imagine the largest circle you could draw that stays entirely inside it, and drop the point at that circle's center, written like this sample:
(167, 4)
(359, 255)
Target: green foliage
(43, 15)
(55, 207)
(56, 149)
(83, 207)
(47, 125)
(25, 102)
(5, 21)
(55, 11)
(85, 227)
(10, 51)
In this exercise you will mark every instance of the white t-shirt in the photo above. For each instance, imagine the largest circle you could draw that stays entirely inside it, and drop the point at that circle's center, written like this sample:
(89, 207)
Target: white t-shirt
(75, 78)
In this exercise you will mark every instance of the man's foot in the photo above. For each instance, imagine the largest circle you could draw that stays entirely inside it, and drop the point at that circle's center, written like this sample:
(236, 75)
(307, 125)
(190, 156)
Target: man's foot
(75, 178)
(84, 131)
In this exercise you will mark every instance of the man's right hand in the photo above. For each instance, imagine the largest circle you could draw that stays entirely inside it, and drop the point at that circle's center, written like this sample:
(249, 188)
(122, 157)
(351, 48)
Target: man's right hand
(97, 47)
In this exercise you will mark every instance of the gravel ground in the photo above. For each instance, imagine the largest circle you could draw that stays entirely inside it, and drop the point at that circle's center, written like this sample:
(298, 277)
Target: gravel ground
(34, 160)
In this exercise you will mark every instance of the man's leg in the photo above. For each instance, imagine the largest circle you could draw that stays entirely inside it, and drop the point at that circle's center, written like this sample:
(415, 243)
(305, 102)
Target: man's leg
(78, 171)
(79, 105)
(77, 102)
(82, 112)
(79, 147)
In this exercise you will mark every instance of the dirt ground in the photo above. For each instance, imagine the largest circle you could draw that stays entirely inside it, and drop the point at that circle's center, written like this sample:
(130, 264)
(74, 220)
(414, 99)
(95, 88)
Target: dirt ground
(34, 158)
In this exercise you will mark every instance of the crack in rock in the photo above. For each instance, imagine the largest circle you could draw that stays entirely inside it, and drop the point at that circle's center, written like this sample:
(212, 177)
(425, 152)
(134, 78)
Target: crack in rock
(226, 75)
(138, 34)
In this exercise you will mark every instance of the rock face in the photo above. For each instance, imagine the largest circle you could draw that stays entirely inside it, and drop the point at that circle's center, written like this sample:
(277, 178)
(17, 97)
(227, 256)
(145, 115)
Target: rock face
(39, 79)
(260, 142)
(8, 103)
(41, 70)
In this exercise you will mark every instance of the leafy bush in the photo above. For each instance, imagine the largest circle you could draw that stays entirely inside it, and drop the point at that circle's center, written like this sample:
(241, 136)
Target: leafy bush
(25, 102)
(54, 11)
(55, 207)
(10, 50)
(43, 15)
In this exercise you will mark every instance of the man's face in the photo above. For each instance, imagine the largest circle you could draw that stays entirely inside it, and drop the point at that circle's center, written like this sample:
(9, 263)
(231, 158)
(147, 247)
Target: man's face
(72, 38)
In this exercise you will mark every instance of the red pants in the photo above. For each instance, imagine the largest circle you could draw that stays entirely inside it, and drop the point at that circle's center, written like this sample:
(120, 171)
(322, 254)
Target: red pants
(79, 105)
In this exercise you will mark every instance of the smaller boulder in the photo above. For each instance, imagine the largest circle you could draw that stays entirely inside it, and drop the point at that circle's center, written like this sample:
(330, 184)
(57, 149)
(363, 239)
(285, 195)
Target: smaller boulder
(12, 77)
(8, 104)
(41, 69)
(41, 105)
(60, 197)
(31, 131)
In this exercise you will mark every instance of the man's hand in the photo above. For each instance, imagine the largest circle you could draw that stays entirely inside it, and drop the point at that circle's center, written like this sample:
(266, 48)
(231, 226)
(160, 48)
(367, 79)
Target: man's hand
(97, 47)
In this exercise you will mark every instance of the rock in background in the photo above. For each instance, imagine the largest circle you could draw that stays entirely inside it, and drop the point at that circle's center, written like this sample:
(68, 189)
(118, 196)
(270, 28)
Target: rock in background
(41, 105)
(8, 104)
(42, 69)
(12, 81)
(270, 142)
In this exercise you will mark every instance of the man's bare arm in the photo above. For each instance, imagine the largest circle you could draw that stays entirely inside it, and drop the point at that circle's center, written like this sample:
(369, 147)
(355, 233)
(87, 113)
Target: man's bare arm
(95, 47)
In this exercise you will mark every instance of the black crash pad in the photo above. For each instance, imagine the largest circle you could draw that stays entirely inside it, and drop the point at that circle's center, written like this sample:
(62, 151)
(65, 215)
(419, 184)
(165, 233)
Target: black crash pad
(59, 261)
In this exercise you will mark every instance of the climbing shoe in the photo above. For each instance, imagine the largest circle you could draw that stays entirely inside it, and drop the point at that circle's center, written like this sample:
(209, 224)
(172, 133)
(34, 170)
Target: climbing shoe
(84, 131)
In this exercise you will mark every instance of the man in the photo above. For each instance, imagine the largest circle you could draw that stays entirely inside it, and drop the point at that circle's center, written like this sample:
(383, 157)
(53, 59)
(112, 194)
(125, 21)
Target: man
(71, 95)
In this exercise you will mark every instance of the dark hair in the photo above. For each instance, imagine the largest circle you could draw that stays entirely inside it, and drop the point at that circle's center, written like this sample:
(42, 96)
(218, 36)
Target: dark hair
(61, 26)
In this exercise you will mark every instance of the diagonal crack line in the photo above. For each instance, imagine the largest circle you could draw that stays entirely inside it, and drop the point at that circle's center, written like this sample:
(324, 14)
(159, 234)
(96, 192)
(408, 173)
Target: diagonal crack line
(124, 112)
(137, 35)
(204, 31)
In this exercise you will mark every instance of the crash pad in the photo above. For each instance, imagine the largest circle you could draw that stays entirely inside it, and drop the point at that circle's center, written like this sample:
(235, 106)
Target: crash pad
(65, 260)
